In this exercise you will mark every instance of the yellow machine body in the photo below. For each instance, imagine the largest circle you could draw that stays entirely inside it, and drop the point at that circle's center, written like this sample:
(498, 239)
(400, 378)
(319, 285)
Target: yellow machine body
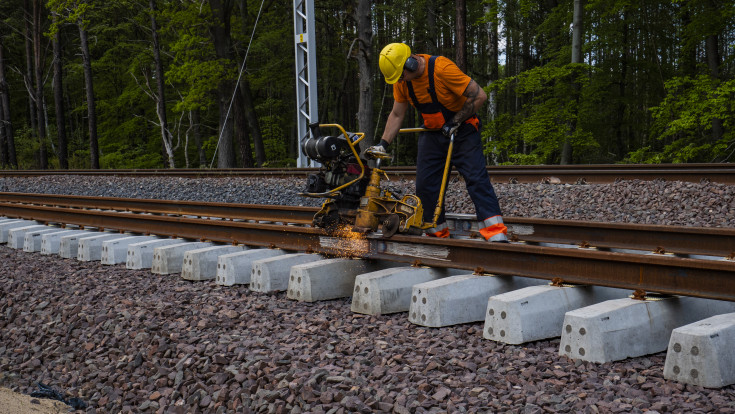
(378, 207)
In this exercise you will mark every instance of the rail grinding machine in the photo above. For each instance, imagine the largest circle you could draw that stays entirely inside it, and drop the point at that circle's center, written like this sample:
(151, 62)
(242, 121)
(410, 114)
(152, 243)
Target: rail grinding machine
(355, 197)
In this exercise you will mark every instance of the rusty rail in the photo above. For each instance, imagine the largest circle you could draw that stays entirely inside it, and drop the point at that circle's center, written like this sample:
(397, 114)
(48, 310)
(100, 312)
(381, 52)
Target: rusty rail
(290, 214)
(653, 273)
(591, 174)
(671, 239)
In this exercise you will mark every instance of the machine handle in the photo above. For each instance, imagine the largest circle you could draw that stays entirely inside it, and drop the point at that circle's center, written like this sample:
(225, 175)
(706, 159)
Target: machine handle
(412, 130)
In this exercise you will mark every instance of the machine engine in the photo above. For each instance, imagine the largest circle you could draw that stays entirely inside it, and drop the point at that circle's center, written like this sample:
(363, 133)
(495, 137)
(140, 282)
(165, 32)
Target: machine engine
(338, 178)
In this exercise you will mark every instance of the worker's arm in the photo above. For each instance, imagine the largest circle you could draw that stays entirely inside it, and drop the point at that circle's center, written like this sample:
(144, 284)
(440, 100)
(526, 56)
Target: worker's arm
(476, 97)
(395, 120)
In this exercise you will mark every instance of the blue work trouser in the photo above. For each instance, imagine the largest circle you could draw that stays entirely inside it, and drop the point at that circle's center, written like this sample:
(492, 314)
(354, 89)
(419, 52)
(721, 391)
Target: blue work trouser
(469, 160)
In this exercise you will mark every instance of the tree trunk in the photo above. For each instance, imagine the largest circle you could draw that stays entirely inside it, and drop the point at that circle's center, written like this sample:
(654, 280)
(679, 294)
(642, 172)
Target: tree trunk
(3, 140)
(247, 100)
(220, 31)
(242, 132)
(621, 137)
(252, 118)
(160, 83)
(688, 49)
(491, 12)
(713, 63)
(7, 125)
(89, 86)
(431, 45)
(38, 70)
(577, 32)
(28, 19)
(62, 151)
(461, 33)
(566, 153)
(195, 121)
(365, 118)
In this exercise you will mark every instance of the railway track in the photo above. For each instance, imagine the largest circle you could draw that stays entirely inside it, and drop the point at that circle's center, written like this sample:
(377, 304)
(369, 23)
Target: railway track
(569, 174)
(673, 273)
(672, 260)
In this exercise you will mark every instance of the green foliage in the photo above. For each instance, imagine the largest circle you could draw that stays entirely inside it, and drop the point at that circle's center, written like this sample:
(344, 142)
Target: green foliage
(195, 70)
(683, 122)
(550, 107)
(644, 94)
(126, 158)
(273, 132)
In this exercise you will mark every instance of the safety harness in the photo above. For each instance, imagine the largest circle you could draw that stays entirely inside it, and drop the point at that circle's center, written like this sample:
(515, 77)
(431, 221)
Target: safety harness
(434, 114)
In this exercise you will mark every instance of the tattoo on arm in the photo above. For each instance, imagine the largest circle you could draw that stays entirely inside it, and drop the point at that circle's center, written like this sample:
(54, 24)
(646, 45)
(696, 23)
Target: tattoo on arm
(471, 92)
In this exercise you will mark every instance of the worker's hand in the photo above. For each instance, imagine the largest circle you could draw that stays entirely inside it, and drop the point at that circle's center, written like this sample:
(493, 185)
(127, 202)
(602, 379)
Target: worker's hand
(375, 149)
(450, 128)
(378, 151)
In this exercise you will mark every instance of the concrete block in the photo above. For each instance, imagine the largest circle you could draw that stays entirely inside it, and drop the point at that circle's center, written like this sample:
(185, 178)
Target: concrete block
(69, 244)
(458, 299)
(201, 264)
(140, 255)
(32, 239)
(271, 274)
(537, 312)
(6, 225)
(170, 259)
(116, 251)
(625, 328)
(702, 352)
(17, 235)
(51, 242)
(327, 279)
(389, 290)
(90, 247)
(236, 268)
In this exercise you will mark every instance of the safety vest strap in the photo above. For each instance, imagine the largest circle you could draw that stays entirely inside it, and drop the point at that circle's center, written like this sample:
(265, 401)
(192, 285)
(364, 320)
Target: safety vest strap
(434, 106)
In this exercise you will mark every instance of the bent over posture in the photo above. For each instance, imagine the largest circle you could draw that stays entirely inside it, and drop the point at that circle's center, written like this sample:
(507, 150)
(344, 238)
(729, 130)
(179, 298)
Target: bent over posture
(448, 100)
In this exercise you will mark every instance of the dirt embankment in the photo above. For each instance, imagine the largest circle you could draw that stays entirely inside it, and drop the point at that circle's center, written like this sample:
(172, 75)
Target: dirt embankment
(14, 403)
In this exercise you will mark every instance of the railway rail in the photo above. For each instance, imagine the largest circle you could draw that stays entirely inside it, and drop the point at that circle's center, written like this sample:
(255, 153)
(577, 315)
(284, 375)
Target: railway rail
(622, 256)
(570, 174)
(685, 241)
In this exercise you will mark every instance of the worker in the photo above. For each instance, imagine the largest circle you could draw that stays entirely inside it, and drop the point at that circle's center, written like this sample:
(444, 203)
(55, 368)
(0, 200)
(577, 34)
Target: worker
(448, 100)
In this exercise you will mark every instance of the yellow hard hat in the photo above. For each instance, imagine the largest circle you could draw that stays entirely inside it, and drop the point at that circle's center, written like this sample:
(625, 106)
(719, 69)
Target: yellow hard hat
(391, 61)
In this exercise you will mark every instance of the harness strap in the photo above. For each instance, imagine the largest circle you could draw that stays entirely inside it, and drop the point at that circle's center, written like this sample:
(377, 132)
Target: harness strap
(435, 106)
(431, 90)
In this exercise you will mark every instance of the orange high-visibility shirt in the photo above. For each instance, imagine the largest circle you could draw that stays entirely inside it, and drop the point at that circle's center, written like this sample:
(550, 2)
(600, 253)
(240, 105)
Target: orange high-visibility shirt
(449, 81)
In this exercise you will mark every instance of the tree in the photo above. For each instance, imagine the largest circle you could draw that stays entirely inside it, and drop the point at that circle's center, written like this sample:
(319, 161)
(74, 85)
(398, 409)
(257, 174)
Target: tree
(365, 63)
(491, 17)
(461, 33)
(89, 87)
(194, 71)
(7, 146)
(566, 152)
(220, 31)
(59, 97)
(29, 71)
(39, 96)
(655, 85)
(160, 98)
(253, 126)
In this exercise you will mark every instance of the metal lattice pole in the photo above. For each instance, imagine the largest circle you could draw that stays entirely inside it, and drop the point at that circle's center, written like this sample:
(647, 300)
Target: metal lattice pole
(306, 92)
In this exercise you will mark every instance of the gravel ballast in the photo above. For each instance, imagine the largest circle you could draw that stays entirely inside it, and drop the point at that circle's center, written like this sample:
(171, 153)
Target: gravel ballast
(131, 341)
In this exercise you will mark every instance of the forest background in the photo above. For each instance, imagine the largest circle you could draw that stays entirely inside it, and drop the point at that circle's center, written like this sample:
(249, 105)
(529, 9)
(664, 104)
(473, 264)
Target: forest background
(150, 84)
